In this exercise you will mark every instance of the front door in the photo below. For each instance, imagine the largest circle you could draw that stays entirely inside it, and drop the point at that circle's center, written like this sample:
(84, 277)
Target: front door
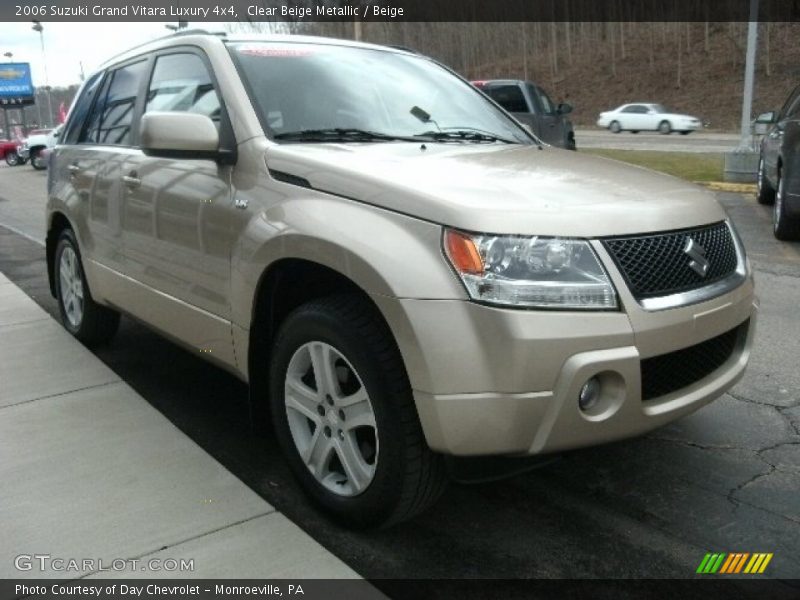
(177, 213)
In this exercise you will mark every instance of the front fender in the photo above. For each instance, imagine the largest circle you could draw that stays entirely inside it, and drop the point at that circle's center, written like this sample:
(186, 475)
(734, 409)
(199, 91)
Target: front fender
(383, 252)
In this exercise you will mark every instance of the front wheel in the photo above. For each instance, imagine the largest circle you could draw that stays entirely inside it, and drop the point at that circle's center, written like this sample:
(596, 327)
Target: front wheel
(615, 127)
(12, 158)
(664, 128)
(784, 227)
(88, 321)
(345, 417)
(38, 162)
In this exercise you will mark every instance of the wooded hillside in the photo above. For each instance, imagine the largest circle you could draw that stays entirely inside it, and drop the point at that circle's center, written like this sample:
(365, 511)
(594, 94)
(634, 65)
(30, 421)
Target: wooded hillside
(690, 67)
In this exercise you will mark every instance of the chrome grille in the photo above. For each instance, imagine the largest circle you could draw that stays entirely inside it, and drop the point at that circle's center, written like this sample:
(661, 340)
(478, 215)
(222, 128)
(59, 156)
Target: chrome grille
(658, 264)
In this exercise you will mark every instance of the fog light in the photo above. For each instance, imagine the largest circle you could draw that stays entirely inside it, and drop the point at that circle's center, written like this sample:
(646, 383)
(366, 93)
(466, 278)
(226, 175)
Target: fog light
(589, 394)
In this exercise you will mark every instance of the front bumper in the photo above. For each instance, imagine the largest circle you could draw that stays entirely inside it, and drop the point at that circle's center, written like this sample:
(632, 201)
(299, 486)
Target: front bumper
(492, 381)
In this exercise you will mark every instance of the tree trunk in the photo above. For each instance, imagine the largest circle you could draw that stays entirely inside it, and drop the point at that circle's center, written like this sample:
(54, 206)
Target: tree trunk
(524, 51)
(678, 32)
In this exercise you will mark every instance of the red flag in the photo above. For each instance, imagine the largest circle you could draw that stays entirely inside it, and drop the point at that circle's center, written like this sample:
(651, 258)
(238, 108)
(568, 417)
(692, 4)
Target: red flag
(62, 113)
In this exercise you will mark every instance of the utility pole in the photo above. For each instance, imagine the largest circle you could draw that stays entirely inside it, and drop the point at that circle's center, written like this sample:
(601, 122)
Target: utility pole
(37, 26)
(741, 164)
(746, 141)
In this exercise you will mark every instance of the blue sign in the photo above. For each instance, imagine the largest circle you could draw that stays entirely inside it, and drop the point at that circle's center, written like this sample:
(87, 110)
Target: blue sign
(16, 87)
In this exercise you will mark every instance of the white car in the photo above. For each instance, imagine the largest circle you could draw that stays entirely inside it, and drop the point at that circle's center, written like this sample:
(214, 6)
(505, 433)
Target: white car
(647, 117)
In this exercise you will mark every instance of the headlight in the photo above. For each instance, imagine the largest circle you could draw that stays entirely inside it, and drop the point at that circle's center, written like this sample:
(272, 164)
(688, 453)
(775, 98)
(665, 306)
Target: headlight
(530, 271)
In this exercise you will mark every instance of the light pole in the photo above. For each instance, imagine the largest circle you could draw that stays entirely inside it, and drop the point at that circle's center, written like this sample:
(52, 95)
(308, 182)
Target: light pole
(37, 26)
(9, 56)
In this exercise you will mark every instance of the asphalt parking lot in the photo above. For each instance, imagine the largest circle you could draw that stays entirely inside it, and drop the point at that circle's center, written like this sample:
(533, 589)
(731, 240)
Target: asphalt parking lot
(725, 479)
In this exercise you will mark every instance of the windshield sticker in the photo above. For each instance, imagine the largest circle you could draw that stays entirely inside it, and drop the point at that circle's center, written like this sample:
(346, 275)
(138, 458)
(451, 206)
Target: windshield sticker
(276, 52)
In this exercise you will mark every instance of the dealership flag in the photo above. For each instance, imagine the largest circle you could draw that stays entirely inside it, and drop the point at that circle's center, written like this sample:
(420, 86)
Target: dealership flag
(62, 113)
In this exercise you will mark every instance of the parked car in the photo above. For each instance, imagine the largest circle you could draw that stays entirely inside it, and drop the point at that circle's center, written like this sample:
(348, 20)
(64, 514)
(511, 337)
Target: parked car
(8, 152)
(779, 167)
(647, 117)
(37, 146)
(402, 273)
(531, 105)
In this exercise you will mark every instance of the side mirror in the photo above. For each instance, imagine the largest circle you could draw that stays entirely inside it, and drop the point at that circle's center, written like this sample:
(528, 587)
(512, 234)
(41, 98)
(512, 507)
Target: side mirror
(767, 118)
(179, 135)
(564, 108)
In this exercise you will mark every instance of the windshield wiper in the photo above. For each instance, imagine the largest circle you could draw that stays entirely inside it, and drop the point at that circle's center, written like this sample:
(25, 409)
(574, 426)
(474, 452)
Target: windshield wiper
(466, 135)
(339, 134)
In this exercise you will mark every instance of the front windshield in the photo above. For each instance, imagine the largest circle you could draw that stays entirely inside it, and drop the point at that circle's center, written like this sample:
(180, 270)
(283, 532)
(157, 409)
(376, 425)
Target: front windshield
(311, 87)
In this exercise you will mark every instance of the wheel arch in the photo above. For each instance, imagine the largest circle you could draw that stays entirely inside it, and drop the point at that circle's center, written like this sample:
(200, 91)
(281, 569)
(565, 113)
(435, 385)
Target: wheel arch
(283, 286)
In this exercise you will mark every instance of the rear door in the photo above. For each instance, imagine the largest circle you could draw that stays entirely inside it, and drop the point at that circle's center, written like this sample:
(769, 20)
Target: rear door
(92, 158)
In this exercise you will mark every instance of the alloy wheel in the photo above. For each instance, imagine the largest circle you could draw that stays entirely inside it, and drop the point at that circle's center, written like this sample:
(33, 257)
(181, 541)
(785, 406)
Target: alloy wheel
(331, 419)
(71, 286)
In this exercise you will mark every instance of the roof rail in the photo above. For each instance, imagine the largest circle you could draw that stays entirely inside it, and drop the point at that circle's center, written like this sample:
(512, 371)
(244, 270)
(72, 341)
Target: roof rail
(403, 48)
(196, 31)
(169, 36)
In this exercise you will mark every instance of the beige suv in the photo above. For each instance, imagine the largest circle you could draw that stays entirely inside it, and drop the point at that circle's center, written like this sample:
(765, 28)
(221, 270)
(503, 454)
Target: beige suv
(398, 269)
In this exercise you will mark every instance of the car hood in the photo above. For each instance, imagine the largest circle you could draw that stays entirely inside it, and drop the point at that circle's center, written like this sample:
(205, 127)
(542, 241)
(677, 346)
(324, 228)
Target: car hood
(501, 188)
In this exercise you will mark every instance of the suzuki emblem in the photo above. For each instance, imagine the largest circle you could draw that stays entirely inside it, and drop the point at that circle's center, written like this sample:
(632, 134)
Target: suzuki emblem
(699, 263)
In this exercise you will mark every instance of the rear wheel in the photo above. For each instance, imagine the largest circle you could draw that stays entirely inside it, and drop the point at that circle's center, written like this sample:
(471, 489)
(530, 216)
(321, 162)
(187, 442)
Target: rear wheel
(765, 194)
(785, 227)
(664, 128)
(345, 417)
(615, 127)
(38, 161)
(88, 321)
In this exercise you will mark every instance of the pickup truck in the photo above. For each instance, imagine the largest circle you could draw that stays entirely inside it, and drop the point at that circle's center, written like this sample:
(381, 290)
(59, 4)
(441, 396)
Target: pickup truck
(37, 146)
(531, 106)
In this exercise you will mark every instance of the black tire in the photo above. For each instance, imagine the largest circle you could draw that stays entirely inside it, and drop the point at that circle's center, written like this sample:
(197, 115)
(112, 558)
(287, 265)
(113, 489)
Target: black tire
(634, 131)
(408, 477)
(765, 193)
(785, 227)
(685, 132)
(664, 128)
(97, 324)
(571, 145)
(12, 158)
(37, 162)
(614, 127)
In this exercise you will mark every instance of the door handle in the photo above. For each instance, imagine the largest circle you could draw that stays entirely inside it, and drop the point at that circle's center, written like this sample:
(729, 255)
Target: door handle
(73, 169)
(131, 180)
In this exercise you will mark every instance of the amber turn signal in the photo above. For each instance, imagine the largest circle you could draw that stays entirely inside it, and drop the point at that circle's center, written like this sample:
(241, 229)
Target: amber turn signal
(462, 252)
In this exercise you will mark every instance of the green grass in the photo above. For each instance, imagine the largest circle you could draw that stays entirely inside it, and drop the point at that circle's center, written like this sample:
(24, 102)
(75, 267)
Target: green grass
(693, 166)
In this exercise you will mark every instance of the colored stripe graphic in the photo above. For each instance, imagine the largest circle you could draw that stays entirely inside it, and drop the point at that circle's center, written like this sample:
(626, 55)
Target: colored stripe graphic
(733, 563)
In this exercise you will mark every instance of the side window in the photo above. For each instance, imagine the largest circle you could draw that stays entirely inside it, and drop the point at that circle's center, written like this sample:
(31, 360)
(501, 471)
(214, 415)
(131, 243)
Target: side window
(630, 109)
(181, 83)
(112, 116)
(80, 110)
(509, 97)
(547, 104)
(793, 106)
